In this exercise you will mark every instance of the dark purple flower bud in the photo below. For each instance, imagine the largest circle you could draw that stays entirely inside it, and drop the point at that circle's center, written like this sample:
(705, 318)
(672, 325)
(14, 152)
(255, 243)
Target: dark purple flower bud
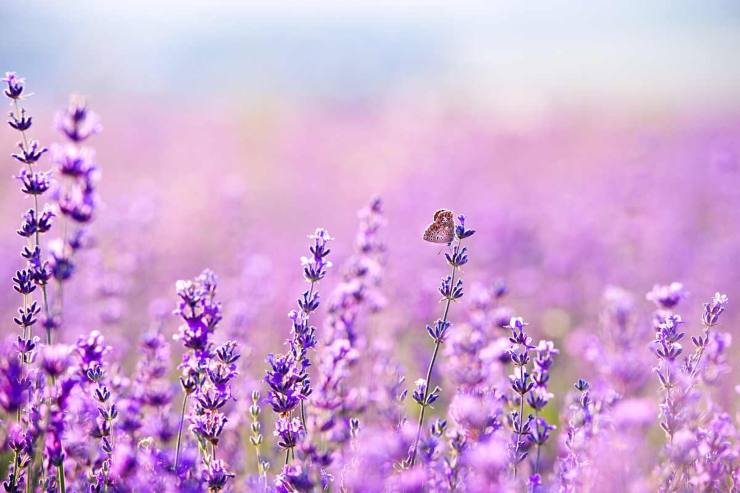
(216, 475)
(520, 382)
(34, 182)
(581, 385)
(30, 153)
(73, 161)
(518, 336)
(293, 479)
(78, 205)
(13, 384)
(438, 333)
(438, 427)
(538, 399)
(91, 349)
(20, 123)
(288, 431)
(213, 399)
(194, 335)
(309, 302)
(77, 122)
(714, 309)
(55, 359)
(541, 431)
(60, 263)
(315, 267)
(461, 231)
(227, 352)
(15, 85)
(666, 297)
(499, 289)
(458, 257)
(23, 282)
(421, 396)
(17, 438)
(208, 425)
(450, 292)
(26, 346)
(27, 316)
(535, 484)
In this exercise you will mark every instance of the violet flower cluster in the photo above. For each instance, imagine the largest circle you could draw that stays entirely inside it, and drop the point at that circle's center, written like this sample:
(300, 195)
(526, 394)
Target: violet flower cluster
(206, 374)
(287, 378)
(357, 293)
(84, 414)
(75, 193)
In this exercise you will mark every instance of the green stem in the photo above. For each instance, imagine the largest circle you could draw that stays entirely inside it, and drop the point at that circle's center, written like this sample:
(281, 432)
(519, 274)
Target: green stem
(14, 478)
(60, 478)
(179, 431)
(303, 408)
(29, 476)
(521, 422)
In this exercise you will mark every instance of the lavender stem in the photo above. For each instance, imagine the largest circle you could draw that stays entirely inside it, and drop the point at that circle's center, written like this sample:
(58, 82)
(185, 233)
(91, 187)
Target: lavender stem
(431, 365)
(179, 430)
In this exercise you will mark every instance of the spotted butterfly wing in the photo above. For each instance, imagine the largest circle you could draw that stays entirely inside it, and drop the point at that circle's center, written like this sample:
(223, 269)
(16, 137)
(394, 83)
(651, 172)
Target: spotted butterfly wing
(442, 229)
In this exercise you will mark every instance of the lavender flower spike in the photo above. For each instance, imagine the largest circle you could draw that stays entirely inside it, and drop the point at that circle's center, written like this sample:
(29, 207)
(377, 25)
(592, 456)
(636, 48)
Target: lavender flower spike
(288, 377)
(451, 290)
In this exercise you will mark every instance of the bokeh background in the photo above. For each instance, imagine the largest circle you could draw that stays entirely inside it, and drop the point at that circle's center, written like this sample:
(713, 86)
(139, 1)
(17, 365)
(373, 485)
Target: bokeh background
(591, 144)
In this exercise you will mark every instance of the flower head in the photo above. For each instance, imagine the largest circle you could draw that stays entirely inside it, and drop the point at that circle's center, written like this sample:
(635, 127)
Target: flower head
(14, 88)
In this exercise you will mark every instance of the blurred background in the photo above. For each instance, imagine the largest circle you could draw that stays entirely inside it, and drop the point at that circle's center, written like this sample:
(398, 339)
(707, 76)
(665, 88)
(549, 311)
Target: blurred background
(591, 144)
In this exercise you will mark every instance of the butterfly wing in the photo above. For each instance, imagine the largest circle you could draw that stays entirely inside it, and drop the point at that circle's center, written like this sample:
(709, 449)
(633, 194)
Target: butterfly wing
(443, 216)
(438, 232)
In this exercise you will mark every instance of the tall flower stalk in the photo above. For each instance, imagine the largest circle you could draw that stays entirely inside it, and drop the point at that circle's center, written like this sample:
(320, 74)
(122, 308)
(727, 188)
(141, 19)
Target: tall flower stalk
(34, 183)
(521, 383)
(76, 195)
(678, 378)
(356, 294)
(200, 313)
(539, 396)
(451, 289)
(287, 377)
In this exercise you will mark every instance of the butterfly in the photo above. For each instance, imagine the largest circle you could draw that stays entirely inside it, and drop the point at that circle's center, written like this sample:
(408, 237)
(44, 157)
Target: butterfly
(442, 230)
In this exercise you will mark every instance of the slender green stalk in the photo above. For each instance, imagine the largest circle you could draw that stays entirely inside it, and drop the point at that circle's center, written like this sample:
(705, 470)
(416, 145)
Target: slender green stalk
(537, 460)
(179, 431)
(60, 478)
(303, 408)
(521, 421)
(14, 477)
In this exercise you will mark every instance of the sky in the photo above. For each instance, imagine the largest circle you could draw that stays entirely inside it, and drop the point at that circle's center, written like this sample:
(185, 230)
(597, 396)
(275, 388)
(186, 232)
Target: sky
(517, 59)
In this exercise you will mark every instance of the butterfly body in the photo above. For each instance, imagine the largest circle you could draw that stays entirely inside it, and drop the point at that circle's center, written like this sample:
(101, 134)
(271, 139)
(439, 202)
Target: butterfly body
(442, 229)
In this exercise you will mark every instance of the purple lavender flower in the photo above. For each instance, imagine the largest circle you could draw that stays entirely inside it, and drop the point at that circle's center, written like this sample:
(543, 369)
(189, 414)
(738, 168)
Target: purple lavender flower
(77, 122)
(668, 296)
(91, 349)
(521, 383)
(217, 475)
(15, 85)
(539, 396)
(207, 372)
(20, 383)
(76, 194)
(103, 426)
(287, 376)
(14, 384)
(292, 479)
(288, 431)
